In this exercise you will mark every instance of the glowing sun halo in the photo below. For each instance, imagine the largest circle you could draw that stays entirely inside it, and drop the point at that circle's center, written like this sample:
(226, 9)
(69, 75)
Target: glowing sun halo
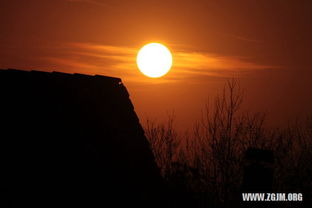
(154, 60)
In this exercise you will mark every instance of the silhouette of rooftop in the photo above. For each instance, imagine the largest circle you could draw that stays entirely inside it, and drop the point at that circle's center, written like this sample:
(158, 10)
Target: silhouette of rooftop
(74, 138)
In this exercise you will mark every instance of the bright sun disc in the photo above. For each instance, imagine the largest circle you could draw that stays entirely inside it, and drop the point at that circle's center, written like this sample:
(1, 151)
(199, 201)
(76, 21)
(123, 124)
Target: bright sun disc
(154, 60)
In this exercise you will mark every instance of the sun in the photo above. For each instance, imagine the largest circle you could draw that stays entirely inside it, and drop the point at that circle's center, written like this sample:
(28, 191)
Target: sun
(154, 60)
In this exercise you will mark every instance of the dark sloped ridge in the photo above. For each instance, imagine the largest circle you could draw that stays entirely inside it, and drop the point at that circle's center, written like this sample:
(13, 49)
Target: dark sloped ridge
(73, 139)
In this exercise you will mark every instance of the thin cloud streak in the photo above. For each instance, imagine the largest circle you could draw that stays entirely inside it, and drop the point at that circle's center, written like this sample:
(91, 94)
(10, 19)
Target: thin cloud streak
(121, 62)
(69, 63)
(205, 64)
(105, 48)
(95, 2)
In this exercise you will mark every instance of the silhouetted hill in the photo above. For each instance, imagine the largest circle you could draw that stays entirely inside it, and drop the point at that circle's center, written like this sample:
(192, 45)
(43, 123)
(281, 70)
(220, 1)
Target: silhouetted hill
(73, 139)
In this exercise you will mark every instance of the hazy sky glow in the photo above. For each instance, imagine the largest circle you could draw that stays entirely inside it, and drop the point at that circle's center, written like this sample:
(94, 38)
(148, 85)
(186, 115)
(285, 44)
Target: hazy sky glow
(266, 44)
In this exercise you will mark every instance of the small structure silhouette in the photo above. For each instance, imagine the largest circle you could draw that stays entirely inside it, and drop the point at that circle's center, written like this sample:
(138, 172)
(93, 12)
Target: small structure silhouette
(258, 173)
(73, 139)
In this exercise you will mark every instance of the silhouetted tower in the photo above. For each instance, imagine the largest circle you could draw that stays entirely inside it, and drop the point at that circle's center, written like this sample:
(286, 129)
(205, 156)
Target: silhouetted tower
(258, 170)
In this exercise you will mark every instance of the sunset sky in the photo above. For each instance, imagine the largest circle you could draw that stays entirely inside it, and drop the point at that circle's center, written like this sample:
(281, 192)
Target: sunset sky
(265, 44)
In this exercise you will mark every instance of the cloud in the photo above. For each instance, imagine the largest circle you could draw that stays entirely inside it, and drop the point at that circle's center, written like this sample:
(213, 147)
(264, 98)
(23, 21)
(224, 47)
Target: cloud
(70, 63)
(120, 61)
(243, 38)
(208, 64)
(96, 2)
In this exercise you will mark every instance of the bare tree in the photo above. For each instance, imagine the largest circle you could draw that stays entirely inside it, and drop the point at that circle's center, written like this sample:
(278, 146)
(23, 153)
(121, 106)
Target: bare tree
(208, 159)
(164, 143)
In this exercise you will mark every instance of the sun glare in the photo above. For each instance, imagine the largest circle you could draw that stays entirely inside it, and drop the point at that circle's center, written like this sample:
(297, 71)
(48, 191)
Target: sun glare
(154, 60)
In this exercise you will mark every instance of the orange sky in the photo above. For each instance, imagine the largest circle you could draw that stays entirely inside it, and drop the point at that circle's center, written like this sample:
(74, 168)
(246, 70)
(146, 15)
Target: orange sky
(266, 44)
